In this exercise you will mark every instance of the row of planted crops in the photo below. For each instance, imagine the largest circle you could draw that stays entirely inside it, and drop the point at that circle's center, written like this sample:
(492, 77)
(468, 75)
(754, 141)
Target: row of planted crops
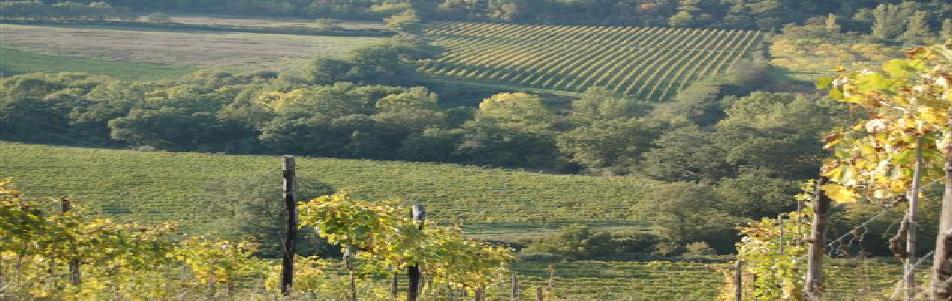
(647, 63)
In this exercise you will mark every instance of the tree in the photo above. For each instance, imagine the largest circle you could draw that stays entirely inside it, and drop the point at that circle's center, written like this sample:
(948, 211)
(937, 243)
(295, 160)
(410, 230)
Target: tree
(775, 131)
(367, 138)
(946, 32)
(250, 208)
(615, 144)
(698, 104)
(486, 141)
(418, 98)
(685, 154)
(390, 62)
(756, 193)
(681, 19)
(703, 222)
(510, 129)
(917, 29)
(602, 104)
(508, 12)
(889, 20)
(406, 22)
(325, 71)
(831, 25)
(181, 117)
(432, 145)
(516, 111)
(412, 111)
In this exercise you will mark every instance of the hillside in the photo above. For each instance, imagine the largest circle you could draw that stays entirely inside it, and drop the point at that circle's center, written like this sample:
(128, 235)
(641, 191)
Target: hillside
(160, 186)
(648, 63)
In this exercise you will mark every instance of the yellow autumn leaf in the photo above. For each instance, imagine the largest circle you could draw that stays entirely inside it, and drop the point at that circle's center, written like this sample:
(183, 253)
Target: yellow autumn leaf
(839, 194)
(933, 116)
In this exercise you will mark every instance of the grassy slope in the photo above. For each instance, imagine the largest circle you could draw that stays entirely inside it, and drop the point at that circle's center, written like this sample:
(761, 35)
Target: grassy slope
(156, 186)
(14, 61)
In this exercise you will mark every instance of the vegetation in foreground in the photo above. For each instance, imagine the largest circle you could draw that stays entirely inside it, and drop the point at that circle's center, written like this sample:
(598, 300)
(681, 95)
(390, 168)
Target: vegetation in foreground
(104, 259)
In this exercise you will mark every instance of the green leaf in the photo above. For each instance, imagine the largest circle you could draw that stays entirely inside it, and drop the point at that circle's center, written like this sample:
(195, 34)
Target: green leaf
(824, 83)
(872, 82)
(898, 68)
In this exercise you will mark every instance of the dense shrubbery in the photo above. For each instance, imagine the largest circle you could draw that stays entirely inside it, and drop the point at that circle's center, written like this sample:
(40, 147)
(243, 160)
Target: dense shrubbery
(581, 242)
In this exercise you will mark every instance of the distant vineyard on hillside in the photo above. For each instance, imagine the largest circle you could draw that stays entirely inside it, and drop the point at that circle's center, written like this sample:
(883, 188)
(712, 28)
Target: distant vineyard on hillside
(646, 63)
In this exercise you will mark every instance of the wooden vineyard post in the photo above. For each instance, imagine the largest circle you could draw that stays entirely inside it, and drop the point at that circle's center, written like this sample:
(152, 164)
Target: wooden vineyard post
(539, 295)
(480, 295)
(413, 272)
(909, 269)
(813, 286)
(941, 266)
(287, 263)
(394, 286)
(349, 264)
(75, 278)
(780, 223)
(514, 294)
(738, 281)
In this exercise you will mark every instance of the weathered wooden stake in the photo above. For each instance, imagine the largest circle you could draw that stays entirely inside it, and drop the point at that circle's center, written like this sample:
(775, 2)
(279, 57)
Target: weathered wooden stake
(539, 295)
(780, 223)
(551, 285)
(480, 295)
(813, 289)
(413, 272)
(738, 281)
(287, 263)
(394, 286)
(909, 269)
(941, 266)
(514, 294)
(75, 278)
(349, 264)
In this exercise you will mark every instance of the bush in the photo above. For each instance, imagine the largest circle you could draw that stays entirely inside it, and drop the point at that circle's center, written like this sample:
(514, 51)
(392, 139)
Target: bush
(698, 249)
(636, 243)
(581, 242)
(252, 208)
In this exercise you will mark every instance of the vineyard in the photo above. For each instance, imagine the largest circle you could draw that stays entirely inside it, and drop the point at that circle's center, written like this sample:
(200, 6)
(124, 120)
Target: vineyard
(158, 187)
(647, 63)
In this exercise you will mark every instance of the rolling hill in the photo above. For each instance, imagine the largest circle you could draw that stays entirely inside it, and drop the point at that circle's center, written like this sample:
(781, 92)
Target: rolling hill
(646, 63)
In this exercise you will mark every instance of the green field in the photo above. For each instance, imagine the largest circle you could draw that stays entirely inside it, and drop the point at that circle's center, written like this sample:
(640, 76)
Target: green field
(121, 47)
(159, 186)
(647, 63)
(14, 61)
